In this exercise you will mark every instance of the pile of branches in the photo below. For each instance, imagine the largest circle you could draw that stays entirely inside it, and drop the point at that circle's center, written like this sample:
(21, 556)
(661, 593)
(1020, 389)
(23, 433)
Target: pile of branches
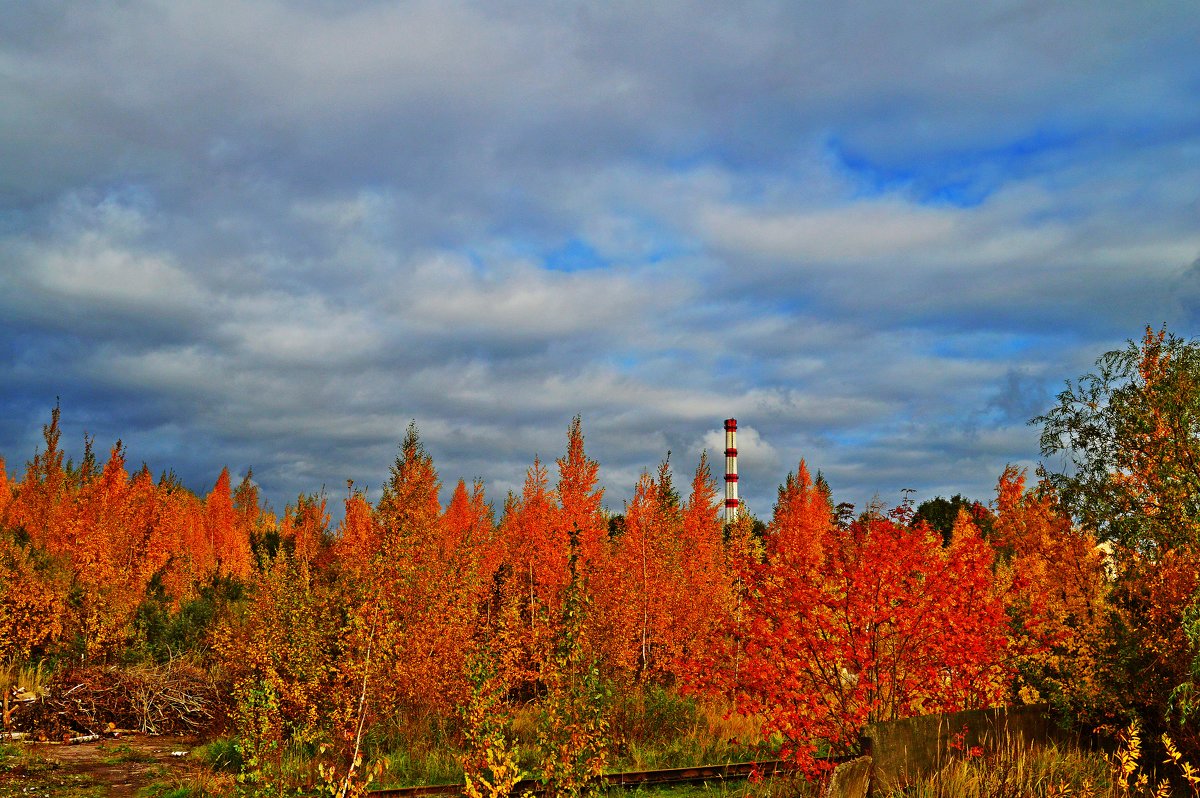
(173, 698)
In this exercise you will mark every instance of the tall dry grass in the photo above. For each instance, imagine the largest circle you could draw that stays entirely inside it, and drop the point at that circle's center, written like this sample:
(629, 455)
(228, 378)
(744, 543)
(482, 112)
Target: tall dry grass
(1015, 771)
(655, 727)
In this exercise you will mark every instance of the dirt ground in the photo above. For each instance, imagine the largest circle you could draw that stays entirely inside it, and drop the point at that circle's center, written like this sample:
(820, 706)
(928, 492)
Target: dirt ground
(120, 766)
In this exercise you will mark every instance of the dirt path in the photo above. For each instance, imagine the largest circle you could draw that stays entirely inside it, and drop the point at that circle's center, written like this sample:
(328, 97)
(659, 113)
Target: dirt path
(110, 767)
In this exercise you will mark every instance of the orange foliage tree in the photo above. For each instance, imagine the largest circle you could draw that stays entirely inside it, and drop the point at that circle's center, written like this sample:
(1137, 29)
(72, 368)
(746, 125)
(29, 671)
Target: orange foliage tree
(1128, 435)
(415, 586)
(648, 564)
(304, 531)
(703, 601)
(722, 671)
(42, 506)
(535, 575)
(539, 548)
(470, 547)
(102, 559)
(580, 515)
(111, 541)
(228, 534)
(284, 642)
(359, 537)
(873, 622)
(32, 594)
(6, 491)
(1058, 598)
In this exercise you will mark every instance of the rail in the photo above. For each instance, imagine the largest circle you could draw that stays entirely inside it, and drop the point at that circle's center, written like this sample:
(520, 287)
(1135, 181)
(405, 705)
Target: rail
(627, 780)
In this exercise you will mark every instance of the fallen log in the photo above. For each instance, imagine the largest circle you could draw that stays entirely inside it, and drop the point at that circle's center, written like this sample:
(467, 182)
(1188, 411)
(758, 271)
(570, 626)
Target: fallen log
(83, 738)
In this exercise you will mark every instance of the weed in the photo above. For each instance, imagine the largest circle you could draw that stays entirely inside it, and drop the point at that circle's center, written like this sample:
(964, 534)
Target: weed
(785, 787)
(1186, 769)
(202, 784)
(124, 753)
(658, 729)
(24, 773)
(222, 754)
(1053, 772)
(10, 755)
(161, 790)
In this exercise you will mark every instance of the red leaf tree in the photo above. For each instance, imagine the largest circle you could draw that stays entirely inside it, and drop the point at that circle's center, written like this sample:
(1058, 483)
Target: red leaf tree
(872, 622)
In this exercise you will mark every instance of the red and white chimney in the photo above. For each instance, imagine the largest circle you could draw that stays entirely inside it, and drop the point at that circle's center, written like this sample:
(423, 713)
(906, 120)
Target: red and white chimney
(731, 475)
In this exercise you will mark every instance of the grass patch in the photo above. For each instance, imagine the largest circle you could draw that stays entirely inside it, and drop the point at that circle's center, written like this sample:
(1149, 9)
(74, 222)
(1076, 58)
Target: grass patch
(221, 755)
(161, 790)
(9, 756)
(211, 773)
(195, 785)
(420, 750)
(421, 767)
(1039, 772)
(122, 753)
(25, 774)
(657, 729)
(17, 760)
(28, 678)
(785, 787)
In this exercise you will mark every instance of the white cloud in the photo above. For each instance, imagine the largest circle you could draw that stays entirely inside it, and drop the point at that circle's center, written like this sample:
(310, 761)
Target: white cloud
(862, 230)
(276, 232)
(754, 452)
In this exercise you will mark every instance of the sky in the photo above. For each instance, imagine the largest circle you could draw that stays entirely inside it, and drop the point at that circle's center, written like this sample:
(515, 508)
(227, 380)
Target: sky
(879, 234)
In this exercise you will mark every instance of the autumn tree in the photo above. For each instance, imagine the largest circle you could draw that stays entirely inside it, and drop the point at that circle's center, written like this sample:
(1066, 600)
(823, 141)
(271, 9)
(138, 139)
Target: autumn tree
(359, 539)
(304, 531)
(573, 736)
(42, 507)
(647, 562)
(469, 544)
(539, 548)
(419, 600)
(103, 554)
(580, 515)
(1057, 595)
(869, 623)
(703, 596)
(535, 574)
(258, 523)
(32, 599)
(292, 679)
(459, 581)
(182, 531)
(1126, 440)
(410, 507)
(490, 761)
(722, 672)
(5, 491)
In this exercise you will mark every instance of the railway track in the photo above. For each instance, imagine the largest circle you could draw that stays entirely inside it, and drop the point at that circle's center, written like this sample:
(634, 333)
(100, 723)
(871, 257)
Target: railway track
(632, 779)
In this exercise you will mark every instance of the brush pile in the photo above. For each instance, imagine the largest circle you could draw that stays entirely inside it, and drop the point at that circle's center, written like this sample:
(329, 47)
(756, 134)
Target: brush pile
(172, 698)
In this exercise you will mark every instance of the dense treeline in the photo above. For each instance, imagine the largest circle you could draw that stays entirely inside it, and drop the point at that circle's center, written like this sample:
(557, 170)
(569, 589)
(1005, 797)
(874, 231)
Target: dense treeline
(410, 613)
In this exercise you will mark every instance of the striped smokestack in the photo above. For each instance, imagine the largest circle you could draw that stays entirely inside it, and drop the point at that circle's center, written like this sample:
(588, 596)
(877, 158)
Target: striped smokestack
(731, 475)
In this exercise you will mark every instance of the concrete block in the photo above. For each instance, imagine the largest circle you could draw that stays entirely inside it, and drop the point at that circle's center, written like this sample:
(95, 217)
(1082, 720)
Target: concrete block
(850, 779)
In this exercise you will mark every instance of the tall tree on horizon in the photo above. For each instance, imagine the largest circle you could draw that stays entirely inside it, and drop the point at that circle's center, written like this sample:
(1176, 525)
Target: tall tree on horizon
(580, 513)
(228, 537)
(703, 596)
(410, 507)
(647, 561)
